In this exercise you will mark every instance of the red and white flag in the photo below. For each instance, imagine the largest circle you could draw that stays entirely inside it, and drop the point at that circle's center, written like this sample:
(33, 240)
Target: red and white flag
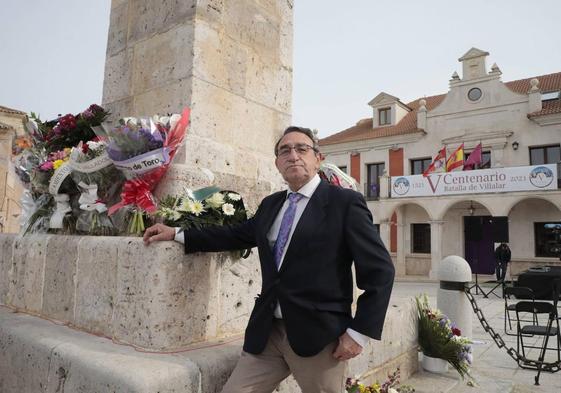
(438, 163)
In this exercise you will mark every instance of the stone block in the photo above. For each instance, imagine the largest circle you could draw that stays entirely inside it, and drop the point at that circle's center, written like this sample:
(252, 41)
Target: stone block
(164, 58)
(117, 3)
(60, 271)
(164, 299)
(28, 272)
(220, 60)
(118, 28)
(171, 98)
(96, 286)
(120, 108)
(240, 282)
(251, 24)
(6, 250)
(117, 81)
(148, 18)
(211, 12)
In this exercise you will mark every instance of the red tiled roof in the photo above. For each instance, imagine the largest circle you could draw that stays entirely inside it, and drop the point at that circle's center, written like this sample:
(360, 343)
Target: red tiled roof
(363, 129)
(5, 109)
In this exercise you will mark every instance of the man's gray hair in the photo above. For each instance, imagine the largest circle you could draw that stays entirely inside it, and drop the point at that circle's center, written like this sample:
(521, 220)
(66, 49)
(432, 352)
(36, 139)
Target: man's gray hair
(306, 131)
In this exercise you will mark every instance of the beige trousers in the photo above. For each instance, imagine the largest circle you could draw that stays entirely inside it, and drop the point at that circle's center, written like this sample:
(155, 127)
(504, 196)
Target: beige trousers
(262, 373)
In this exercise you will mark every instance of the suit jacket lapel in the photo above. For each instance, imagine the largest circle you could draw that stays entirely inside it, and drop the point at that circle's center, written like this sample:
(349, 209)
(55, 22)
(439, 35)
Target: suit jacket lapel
(309, 222)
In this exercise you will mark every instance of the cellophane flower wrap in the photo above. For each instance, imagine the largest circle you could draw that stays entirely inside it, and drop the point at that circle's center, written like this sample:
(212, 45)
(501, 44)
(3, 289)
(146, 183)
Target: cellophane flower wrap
(332, 174)
(99, 182)
(390, 385)
(43, 167)
(441, 338)
(142, 149)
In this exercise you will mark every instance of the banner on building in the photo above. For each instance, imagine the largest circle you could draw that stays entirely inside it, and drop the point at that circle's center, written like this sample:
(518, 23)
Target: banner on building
(521, 178)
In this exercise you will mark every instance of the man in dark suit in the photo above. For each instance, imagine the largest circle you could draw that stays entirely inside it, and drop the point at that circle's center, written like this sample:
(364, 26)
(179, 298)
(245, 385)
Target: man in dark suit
(307, 238)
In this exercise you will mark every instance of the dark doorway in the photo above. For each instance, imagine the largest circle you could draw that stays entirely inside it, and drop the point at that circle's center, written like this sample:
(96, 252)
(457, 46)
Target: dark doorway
(479, 251)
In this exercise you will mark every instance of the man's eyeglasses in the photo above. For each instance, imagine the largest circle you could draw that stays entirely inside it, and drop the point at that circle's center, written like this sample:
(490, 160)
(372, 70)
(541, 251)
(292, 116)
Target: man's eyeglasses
(300, 149)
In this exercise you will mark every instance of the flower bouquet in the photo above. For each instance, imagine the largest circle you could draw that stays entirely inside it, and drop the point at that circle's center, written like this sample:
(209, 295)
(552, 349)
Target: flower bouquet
(391, 385)
(440, 338)
(332, 174)
(99, 183)
(142, 149)
(205, 207)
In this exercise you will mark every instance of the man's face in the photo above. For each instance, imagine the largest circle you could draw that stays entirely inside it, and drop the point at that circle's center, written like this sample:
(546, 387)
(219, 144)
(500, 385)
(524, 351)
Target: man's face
(297, 168)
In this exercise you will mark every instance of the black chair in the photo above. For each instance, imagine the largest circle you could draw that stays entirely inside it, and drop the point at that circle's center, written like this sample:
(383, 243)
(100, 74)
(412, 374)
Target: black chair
(519, 293)
(547, 331)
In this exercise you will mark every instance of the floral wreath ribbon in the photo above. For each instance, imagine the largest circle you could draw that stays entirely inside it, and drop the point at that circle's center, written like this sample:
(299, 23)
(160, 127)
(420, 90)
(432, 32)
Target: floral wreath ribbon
(89, 200)
(62, 207)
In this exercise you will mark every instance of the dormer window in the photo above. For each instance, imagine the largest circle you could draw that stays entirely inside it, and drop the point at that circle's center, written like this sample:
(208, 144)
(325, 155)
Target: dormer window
(551, 95)
(384, 116)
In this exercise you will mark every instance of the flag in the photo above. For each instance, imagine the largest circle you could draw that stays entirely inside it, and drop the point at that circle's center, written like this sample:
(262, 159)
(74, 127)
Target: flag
(456, 159)
(437, 163)
(474, 158)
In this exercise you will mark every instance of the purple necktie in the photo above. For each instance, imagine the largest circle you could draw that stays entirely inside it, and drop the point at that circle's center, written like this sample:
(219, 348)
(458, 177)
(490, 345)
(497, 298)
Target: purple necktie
(286, 225)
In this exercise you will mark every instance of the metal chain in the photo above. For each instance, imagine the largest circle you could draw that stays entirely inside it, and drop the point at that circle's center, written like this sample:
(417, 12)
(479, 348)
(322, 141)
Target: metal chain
(513, 353)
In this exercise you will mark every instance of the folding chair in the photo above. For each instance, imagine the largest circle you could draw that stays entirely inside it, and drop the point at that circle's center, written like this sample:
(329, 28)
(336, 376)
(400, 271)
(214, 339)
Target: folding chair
(519, 293)
(537, 330)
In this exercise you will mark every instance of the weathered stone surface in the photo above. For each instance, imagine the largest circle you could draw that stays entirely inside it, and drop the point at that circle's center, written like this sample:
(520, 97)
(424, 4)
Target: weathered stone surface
(6, 248)
(59, 284)
(162, 59)
(164, 300)
(148, 18)
(118, 28)
(120, 108)
(118, 71)
(28, 272)
(171, 98)
(96, 283)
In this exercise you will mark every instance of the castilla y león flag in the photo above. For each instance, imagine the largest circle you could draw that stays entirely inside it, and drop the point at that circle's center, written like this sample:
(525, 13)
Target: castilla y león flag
(437, 163)
(474, 158)
(456, 159)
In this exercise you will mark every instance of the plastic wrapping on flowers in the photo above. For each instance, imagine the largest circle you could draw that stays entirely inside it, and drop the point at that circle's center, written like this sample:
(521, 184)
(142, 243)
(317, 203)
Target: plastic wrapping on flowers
(142, 148)
(332, 174)
(440, 338)
(391, 385)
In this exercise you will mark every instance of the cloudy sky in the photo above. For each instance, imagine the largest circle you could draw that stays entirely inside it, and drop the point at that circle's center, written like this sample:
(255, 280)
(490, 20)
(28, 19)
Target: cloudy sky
(345, 53)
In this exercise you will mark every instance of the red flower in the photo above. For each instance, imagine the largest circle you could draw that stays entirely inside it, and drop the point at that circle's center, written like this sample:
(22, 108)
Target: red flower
(456, 331)
(85, 148)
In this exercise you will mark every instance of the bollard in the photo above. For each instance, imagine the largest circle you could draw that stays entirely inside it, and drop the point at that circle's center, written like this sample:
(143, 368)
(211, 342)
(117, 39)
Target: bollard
(454, 274)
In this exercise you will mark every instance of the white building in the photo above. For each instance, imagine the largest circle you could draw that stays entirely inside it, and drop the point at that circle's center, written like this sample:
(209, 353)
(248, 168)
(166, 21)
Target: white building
(518, 124)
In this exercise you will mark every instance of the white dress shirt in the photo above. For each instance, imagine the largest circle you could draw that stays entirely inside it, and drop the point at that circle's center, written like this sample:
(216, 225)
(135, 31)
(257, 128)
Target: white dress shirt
(307, 190)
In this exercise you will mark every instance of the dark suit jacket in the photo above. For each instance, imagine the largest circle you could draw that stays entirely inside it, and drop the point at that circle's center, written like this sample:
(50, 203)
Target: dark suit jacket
(315, 284)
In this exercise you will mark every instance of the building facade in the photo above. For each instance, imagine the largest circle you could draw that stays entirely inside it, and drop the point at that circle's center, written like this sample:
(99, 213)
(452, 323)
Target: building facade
(11, 127)
(513, 195)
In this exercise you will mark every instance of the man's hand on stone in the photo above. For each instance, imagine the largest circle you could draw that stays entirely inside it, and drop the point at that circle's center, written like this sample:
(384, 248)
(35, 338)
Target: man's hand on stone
(347, 348)
(158, 232)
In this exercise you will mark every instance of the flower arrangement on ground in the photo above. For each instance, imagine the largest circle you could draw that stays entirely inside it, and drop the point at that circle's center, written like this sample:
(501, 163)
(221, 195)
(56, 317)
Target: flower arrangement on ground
(440, 338)
(391, 385)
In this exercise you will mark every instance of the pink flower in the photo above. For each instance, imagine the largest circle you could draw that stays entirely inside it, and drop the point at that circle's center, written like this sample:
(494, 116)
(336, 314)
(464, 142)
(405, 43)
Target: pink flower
(46, 166)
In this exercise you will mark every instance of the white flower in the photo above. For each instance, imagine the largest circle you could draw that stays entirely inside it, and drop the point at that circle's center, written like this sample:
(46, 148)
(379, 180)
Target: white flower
(92, 145)
(170, 213)
(392, 390)
(197, 208)
(186, 205)
(228, 209)
(233, 196)
(216, 200)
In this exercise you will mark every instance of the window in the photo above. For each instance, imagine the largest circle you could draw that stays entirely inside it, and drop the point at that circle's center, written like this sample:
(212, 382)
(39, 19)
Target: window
(384, 116)
(547, 238)
(418, 166)
(420, 238)
(485, 160)
(373, 182)
(551, 95)
(545, 155)
(343, 168)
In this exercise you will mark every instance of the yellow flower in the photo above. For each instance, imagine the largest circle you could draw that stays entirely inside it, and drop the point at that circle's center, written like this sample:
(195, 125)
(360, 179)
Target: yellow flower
(57, 164)
(197, 208)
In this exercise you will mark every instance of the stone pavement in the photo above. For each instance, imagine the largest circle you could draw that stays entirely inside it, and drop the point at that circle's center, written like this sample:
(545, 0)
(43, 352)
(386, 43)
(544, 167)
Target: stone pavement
(493, 369)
